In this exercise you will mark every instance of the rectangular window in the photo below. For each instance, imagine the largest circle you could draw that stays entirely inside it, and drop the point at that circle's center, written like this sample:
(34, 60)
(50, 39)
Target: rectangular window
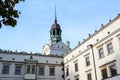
(52, 71)
(18, 69)
(62, 69)
(104, 73)
(76, 67)
(77, 79)
(62, 76)
(110, 48)
(41, 71)
(33, 69)
(113, 70)
(67, 72)
(87, 61)
(89, 77)
(28, 69)
(101, 53)
(119, 41)
(5, 69)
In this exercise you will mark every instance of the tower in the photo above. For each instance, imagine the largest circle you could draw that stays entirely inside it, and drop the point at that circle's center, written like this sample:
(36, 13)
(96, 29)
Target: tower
(55, 31)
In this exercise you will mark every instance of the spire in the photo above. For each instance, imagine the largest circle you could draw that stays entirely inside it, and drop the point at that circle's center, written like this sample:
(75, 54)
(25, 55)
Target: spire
(55, 15)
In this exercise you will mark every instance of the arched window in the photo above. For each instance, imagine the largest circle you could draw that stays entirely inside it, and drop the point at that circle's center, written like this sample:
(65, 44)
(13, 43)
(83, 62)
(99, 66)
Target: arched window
(57, 32)
(53, 32)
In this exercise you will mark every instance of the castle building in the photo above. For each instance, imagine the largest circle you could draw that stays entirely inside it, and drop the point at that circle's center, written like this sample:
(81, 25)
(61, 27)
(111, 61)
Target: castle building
(96, 58)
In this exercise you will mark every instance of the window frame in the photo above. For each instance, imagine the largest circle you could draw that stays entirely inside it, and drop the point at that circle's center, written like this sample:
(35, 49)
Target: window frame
(110, 48)
(104, 74)
(18, 69)
(67, 71)
(87, 60)
(89, 76)
(101, 52)
(76, 66)
(111, 67)
(6, 71)
(31, 69)
(41, 70)
(52, 71)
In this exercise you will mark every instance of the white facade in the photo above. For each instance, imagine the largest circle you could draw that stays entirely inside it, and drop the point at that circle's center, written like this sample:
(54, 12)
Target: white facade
(101, 48)
(56, 49)
(47, 62)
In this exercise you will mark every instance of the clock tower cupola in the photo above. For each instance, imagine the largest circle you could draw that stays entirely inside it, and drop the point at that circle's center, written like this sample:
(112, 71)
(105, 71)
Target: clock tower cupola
(55, 32)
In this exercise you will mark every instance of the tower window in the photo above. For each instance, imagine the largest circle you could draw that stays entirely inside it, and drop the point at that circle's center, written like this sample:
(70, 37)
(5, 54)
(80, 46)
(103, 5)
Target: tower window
(57, 32)
(54, 32)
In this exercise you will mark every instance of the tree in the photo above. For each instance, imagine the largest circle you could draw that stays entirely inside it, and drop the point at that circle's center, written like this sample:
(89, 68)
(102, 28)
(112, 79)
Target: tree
(8, 13)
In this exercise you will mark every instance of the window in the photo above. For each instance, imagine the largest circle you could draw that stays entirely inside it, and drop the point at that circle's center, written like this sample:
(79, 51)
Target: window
(18, 69)
(54, 32)
(76, 67)
(41, 70)
(52, 71)
(113, 70)
(62, 69)
(87, 61)
(101, 53)
(77, 77)
(67, 72)
(62, 76)
(28, 68)
(5, 69)
(89, 77)
(57, 32)
(119, 41)
(104, 73)
(31, 69)
(110, 48)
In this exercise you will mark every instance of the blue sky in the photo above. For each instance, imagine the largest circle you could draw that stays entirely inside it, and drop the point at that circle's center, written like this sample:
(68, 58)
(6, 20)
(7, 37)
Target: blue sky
(77, 19)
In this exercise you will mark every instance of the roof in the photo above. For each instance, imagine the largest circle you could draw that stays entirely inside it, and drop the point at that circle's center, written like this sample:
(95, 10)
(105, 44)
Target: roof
(55, 26)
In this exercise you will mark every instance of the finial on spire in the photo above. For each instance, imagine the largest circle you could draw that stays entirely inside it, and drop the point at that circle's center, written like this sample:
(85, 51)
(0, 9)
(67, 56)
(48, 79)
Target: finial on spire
(55, 15)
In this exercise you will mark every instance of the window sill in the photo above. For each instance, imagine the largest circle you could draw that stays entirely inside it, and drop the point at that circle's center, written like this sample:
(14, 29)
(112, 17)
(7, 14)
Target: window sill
(17, 74)
(4, 74)
(111, 53)
(101, 58)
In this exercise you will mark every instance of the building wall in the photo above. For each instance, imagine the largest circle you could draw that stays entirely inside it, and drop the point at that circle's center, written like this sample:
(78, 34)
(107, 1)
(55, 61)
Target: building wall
(24, 59)
(108, 33)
